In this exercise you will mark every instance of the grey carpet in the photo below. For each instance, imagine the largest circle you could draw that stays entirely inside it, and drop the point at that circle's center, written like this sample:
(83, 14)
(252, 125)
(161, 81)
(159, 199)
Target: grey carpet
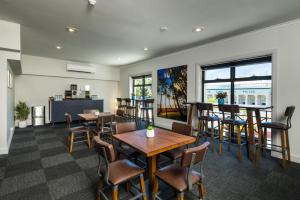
(39, 167)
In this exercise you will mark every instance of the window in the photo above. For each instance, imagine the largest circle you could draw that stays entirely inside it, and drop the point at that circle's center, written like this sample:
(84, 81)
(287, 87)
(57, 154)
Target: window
(246, 82)
(142, 87)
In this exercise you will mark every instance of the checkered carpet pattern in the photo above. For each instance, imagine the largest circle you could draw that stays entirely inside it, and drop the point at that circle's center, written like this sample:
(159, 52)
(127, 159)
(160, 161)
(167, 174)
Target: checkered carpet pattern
(39, 167)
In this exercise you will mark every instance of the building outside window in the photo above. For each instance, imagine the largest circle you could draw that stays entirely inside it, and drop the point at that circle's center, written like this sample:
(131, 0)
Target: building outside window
(142, 87)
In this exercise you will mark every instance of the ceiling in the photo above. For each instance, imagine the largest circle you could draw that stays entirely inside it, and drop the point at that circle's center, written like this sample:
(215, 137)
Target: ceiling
(115, 32)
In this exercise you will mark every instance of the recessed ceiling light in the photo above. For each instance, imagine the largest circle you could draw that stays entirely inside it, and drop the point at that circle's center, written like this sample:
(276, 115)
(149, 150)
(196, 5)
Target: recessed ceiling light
(146, 49)
(71, 29)
(119, 58)
(198, 29)
(58, 47)
(92, 2)
(163, 28)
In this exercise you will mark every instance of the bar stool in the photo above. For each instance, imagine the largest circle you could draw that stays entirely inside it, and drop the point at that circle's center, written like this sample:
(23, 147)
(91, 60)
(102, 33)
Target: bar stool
(283, 129)
(207, 115)
(148, 107)
(113, 172)
(76, 134)
(232, 121)
(121, 105)
(130, 109)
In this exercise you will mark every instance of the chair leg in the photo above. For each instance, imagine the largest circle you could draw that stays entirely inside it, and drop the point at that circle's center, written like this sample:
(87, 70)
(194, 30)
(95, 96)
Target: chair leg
(128, 186)
(212, 136)
(180, 196)
(143, 189)
(247, 141)
(155, 189)
(287, 140)
(265, 141)
(221, 139)
(199, 132)
(239, 142)
(201, 190)
(283, 150)
(71, 143)
(115, 192)
(229, 137)
(100, 187)
(88, 139)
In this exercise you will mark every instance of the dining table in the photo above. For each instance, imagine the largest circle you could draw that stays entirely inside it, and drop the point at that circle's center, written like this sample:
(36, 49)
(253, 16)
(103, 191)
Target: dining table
(93, 116)
(163, 140)
(250, 109)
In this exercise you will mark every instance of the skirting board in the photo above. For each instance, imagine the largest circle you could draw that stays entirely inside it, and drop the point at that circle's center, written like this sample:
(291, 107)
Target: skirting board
(294, 158)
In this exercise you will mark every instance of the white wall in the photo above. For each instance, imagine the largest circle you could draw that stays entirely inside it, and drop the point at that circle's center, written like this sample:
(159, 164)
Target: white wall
(45, 77)
(9, 40)
(282, 41)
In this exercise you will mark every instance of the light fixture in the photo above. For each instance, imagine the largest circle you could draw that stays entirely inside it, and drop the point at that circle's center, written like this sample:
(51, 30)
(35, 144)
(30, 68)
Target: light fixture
(71, 29)
(163, 29)
(92, 2)
(198, 29)
(58, 47)
(119, 58)
(146, 49)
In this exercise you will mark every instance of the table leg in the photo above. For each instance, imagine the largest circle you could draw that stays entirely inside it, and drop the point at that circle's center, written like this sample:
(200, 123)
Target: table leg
(151, 173)
(251, 137)
(190, 116)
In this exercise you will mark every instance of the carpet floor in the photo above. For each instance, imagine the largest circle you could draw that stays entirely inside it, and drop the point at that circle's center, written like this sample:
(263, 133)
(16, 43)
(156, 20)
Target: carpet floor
(39, 166)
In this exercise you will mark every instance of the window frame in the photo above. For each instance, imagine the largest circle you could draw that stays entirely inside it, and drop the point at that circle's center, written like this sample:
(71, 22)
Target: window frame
(232, 80)
(143, 85)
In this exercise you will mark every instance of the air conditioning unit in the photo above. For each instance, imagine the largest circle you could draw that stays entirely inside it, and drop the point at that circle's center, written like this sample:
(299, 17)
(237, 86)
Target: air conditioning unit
(81, 68)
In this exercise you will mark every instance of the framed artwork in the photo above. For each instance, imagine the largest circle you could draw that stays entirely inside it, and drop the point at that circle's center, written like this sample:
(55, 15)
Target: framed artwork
(172, 93)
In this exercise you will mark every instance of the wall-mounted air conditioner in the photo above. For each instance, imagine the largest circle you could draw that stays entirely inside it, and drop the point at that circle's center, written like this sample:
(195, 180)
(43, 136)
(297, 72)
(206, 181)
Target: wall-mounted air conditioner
(81, 68)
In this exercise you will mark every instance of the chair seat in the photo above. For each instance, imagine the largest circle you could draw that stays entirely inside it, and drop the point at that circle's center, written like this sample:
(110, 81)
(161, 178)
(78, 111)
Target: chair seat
(146, 108)
(78, 129)
(123, 170)
(209, 118)
(234, 122)
(175, 176)
(274, 125)
(174, 153)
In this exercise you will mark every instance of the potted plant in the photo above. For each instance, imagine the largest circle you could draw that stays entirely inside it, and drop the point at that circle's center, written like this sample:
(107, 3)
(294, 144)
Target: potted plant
(22, 112)
(221, 96)
(150, 131)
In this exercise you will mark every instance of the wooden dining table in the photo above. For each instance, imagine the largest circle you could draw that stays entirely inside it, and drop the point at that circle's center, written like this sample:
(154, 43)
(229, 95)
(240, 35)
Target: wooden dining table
(94, 117)
(163, 140)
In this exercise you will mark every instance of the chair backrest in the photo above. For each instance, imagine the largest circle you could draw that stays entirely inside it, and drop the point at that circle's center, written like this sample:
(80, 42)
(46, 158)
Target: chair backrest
(125, 127)
(105, 152)
(183, 129)
(120, 112)
(191, 157)
(104, 119)
(68, 120)
(148, 102)
(289, 114)
(128, 101)
(232, 109)
(204, 108)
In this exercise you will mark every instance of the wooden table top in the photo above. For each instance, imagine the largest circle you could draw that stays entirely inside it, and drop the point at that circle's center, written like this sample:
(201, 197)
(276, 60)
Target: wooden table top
(164, 140)
(93, 117)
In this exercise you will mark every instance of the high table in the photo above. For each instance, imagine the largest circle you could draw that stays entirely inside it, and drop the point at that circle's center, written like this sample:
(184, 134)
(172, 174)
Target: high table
(164, 140)
(250, 109)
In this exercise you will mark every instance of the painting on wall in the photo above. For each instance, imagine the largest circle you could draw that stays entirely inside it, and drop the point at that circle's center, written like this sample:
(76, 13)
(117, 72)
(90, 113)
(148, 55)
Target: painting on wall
(172, 93)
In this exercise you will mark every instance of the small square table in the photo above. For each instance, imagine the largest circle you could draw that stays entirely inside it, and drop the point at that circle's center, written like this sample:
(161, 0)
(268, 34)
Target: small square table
(164, 140)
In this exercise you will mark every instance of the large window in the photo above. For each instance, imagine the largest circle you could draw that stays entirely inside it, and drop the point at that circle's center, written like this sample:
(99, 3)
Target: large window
(245, 82)
(142, 87)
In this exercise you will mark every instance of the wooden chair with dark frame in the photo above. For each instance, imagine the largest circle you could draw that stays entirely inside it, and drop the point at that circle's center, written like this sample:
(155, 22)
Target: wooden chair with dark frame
(113, 172)
(183, 177)
(232, 121)
(130, 109)
(76, 134)
(206, 116)
(283, 130)
(104, 127)
(183, 129)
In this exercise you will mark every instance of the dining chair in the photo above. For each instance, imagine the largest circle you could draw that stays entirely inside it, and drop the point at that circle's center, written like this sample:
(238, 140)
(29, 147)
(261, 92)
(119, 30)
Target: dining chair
(183, 129)
(148, 108)
(130, 109)
(230, 118)
(76, 134)
(283, 131)
(183, 177)
(120, 104)
(206, 116)
(124, 149)
(104, 127)
(112, 172)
